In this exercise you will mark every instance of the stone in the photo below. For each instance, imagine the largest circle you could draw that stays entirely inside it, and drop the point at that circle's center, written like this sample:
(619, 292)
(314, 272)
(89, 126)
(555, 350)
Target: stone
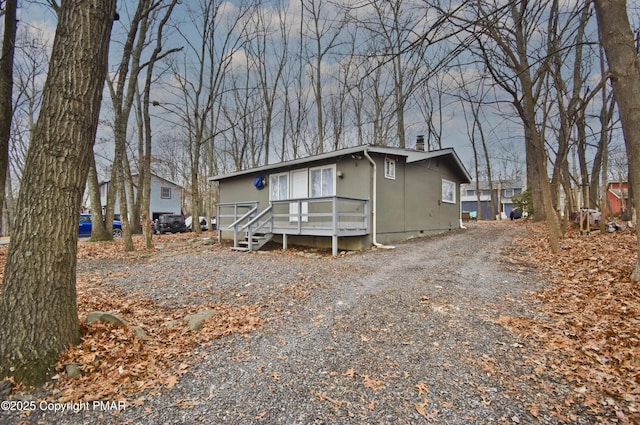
(194, 321)
(5, 388)
(139, 332)
(171, 324)
(104, 317)
(73, 371)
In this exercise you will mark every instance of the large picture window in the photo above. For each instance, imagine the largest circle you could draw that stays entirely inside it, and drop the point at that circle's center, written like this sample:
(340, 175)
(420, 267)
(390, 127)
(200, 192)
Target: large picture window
(322, 181)
(448, 191)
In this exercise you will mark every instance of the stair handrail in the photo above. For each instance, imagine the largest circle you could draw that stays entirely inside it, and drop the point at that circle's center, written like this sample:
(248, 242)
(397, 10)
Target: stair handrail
(243, 218)
(248, 227)
(236, 223)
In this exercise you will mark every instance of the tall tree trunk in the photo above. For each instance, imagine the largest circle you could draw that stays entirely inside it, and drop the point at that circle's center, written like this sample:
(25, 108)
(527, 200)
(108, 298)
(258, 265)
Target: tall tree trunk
(6, 94)
(98, 228)
(617, 38)
(38, 314)
(122, 96)
(124, 208)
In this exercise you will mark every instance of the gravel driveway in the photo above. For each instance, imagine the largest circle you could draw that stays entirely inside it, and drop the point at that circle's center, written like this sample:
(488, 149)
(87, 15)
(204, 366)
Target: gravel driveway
(399, 336)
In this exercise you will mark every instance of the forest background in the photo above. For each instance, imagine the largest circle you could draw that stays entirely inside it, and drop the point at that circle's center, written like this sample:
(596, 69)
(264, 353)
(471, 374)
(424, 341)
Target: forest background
(200, 88)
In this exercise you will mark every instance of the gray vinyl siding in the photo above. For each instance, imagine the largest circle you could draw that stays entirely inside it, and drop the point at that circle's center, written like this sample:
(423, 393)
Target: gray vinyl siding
(410, 205)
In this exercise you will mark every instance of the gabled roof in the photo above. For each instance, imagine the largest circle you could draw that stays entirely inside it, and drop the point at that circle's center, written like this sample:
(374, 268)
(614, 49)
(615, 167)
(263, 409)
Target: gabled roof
(134, 175)
(506, 184)
(412, 155)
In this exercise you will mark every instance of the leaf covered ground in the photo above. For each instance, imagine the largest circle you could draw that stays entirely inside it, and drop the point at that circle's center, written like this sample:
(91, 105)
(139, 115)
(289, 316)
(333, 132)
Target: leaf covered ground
(591, 336)
(115, 363)
(586, 330)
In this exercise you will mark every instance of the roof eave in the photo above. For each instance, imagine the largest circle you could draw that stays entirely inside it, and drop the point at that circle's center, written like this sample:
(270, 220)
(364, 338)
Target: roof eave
(412, 156)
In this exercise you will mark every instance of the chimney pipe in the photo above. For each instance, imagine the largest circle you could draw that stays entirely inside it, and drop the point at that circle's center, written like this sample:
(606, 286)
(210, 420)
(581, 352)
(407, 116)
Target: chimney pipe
(420, 143)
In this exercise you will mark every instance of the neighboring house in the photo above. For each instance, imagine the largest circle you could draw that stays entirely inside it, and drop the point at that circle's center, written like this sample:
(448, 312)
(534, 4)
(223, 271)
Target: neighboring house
(617, 198)
(166, 197)
(469, 198)
(347, 199)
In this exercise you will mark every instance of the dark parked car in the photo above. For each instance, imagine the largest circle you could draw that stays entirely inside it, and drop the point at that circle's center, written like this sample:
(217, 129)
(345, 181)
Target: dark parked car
(170, 223)
(84, 227)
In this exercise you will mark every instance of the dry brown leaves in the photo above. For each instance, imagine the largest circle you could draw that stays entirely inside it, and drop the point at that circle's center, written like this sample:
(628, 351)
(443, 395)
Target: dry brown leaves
(592, 334)
(115, 363)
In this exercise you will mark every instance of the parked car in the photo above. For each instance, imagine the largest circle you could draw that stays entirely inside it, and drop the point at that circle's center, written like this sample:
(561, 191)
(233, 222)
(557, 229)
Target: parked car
(170, 223)
(84, 226)
(203, 223)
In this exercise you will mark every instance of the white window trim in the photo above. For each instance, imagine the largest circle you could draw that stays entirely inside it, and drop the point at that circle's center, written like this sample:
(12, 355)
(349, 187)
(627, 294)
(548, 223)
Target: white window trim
(389, 164)
(448, 188)
(288, 185)
(162, 190)
(323, 167)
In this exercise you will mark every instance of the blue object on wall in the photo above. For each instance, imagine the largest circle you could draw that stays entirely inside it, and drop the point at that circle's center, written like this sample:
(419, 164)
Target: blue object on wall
(258, 182)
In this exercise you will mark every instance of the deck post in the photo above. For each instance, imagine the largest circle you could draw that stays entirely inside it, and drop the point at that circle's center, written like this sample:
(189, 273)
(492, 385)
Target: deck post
(284, 241)
(334, 245)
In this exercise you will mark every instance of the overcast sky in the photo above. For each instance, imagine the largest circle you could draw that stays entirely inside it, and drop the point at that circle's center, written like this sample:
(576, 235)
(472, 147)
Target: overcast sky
(505, 133)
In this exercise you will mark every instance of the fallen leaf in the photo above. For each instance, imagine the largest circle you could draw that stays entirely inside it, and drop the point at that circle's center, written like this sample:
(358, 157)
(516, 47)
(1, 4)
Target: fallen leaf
(351, 372)
(420, 407)
(374, 384)
(422, 388)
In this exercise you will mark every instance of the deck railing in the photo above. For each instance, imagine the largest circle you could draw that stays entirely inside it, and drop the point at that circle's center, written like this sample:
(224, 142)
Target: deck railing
(333, 216)
(232, 213)
(326, 216)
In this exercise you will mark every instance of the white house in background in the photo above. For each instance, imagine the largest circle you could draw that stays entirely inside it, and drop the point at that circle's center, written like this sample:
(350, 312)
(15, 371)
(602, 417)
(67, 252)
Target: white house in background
(508, 189)
(166, 196)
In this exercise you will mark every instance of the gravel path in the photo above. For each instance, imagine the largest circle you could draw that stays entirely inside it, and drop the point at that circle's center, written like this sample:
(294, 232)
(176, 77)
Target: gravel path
(396, 336)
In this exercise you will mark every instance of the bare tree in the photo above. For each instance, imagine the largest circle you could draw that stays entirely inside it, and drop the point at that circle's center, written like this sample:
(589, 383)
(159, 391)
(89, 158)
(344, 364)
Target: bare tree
(268, 53)
(397, 28)
(6, 93)
(200, 82)
(570, 96)
(473, 95)
(122, 89)
(39, 316)
(503, 39)
(622, 55)
(324, 23)
(162, 14)
(30, 65)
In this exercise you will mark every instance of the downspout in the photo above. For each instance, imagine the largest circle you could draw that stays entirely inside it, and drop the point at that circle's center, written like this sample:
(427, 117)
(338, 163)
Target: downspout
(374, 210)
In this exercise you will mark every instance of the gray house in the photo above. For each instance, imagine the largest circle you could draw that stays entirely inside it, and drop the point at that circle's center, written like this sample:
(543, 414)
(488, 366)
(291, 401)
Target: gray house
(503, 191)
(347, 199)
(166, 196)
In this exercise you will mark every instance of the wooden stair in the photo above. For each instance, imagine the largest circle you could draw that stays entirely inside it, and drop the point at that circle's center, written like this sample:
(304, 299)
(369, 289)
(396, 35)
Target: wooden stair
(257, 242)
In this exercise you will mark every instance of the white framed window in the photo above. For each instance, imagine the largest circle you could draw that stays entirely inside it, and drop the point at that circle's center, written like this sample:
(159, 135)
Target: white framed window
(508, 193)
(322, 181)
(390, 168)
(279, 186)
(448, 191)
(165, 193)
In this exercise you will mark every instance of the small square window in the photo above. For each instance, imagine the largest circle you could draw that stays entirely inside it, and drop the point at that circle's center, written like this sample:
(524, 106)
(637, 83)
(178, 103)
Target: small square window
(390, 168)
(165, 193)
